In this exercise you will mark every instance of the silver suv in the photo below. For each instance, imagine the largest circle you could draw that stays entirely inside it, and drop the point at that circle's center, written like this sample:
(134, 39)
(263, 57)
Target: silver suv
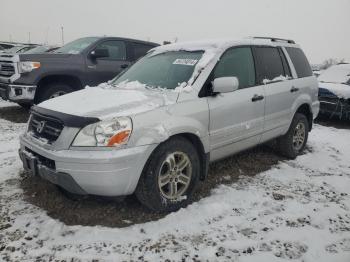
(154, 129)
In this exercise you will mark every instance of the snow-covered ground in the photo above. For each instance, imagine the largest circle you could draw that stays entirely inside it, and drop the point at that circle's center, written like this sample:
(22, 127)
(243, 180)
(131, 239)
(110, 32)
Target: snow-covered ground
(298, 210)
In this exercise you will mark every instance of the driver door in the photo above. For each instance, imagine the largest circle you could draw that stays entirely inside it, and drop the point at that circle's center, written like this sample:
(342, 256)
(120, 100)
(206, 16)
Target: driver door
(106, 68)
(236, 118)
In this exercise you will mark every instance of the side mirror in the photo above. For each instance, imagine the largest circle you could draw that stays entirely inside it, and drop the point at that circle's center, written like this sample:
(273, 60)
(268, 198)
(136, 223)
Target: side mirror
(99, 53)
(225, 84)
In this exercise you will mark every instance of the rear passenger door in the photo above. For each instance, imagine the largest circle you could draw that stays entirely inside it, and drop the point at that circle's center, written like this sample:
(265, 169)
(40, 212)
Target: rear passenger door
(274, 74)
(106, 68)
(236, 118)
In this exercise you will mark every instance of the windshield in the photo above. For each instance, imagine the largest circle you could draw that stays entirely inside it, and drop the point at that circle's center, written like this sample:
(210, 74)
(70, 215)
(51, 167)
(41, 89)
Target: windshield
(37, 50)
(76, 46)
(165, 70)
(14, 49)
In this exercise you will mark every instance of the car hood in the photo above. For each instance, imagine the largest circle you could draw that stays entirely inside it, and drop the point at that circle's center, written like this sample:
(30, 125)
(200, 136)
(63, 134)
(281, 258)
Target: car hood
(45, 56)
(340, 90)
(106, 103)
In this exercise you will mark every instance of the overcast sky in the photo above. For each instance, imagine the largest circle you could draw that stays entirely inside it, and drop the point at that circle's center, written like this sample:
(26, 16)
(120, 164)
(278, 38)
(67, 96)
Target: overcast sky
(322, 27)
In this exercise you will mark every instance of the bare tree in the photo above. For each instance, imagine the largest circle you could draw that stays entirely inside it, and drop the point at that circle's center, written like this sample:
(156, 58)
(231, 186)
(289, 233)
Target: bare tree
(331, 61)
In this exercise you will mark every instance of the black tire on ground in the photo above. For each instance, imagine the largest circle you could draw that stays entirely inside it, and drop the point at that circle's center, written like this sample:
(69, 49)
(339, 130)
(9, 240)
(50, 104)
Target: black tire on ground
(285, 144)
(148, 190)
(50, 90)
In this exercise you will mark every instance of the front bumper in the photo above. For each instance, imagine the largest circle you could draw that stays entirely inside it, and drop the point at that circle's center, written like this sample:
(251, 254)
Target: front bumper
(17, 92)
(96, 172)
(334, 106)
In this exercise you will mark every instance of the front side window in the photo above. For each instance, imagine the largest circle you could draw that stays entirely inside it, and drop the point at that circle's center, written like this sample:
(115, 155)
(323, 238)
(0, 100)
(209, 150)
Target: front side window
(166, 70)
(270, 64)
(116, 49)
(76, 46)
(237, 62)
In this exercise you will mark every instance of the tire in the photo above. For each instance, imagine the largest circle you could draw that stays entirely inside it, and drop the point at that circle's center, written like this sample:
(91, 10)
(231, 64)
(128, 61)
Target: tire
(162, 198)
(52, 90)
(285, 144)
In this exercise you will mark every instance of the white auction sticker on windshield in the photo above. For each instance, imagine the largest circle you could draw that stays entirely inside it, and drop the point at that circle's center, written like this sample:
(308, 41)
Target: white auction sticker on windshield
(189, 62)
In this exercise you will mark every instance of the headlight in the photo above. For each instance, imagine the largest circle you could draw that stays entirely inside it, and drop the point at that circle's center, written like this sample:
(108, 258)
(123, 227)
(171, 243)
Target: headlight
(25, 67)
(112, 133)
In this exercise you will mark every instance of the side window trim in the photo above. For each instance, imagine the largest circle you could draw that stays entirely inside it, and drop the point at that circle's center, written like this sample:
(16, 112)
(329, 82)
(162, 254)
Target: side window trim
(290, 63)
(286, 68)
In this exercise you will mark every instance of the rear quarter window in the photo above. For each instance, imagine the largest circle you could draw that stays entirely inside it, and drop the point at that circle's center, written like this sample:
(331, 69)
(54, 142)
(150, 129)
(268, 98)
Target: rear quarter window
(300, 62)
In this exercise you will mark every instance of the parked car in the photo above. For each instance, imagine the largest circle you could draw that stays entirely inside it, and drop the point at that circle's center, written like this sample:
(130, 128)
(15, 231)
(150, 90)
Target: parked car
(19, 49)
(334, 91)
(6, 45)
(154, 129)
(32, 78)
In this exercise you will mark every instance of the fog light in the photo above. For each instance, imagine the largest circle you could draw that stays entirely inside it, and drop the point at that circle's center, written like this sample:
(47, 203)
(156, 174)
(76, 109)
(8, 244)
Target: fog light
(18, 92)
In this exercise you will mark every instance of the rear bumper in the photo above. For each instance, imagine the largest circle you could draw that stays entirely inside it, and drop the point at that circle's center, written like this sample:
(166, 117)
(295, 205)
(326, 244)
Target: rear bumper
(96, 172)
(17, 92)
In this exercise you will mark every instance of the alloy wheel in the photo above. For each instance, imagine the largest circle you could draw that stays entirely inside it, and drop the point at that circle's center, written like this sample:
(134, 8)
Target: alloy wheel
(175, 175)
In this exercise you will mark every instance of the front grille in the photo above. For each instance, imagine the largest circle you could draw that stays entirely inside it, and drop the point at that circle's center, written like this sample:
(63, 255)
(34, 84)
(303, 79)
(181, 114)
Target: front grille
(7, 69)
(45, 128)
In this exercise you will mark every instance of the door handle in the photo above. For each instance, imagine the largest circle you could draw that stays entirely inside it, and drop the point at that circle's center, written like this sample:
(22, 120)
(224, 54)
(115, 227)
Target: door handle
(124, 66)
(257, 98)
(294, 89)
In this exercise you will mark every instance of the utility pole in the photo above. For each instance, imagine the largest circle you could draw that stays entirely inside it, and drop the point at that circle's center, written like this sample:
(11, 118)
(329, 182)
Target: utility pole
(29, 37)
(10, 38)
(62, 35)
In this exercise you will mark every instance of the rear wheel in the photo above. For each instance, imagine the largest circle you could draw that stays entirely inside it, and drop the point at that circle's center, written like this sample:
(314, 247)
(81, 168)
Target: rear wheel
(54, 90)
(170, 176)
(294, 142)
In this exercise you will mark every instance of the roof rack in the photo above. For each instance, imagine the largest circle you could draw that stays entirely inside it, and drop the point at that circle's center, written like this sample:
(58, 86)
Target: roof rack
(274, 39)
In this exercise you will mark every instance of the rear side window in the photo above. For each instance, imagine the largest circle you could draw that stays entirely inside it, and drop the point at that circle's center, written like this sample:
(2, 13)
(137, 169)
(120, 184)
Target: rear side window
(299, 60)
(140, 50)
(237, 62)
(269, 63)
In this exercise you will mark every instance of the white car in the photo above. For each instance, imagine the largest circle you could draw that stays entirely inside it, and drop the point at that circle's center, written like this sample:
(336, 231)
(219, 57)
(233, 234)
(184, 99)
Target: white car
(334, 91)
(154, 129)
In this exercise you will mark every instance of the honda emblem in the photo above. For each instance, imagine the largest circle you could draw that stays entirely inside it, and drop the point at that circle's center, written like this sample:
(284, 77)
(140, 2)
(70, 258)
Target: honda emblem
(40, 127)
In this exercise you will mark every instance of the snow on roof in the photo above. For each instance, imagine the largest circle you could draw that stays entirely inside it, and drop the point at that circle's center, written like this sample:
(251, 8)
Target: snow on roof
(217, 44)
(336, 74)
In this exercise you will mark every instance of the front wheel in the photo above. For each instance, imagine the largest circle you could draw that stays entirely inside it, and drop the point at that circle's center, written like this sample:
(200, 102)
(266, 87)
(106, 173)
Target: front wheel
(294, 142)
(53, 90)
(169, 176)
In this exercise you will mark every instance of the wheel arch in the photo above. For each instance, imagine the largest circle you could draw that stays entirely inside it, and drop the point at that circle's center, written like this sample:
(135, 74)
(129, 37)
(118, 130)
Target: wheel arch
(306, 110)
(71, 80)
(198, 145)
